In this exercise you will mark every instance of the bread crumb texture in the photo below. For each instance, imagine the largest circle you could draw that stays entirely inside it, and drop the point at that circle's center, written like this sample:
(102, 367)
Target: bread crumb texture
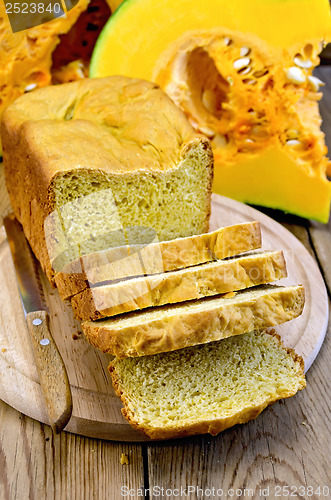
(124, 459)
(206, 388)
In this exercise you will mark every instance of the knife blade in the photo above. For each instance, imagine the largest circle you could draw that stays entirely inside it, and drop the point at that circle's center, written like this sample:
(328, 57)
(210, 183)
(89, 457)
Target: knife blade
(50, 366)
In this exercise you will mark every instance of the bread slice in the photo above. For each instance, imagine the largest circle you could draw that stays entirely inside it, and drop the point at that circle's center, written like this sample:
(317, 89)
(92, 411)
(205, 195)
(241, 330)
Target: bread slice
(101, 163)
(168, 328)
(206, 388)
(118, 263)
(195, 282)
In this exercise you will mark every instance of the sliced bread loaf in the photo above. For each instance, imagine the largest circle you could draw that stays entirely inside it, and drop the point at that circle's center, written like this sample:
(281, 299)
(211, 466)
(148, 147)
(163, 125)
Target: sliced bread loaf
(96, 163)
(206, 388)
(167, 328)
(191, 283)
(113, 264)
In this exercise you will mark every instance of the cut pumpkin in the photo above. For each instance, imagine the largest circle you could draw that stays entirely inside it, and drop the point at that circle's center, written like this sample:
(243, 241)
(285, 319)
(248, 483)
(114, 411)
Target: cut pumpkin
(28, 59)
(26, 56)
(242, 73)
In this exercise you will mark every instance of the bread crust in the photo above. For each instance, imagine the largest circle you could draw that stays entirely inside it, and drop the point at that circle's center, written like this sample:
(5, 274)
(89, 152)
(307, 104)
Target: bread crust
(186, 328)
(114, 264)
(213, 426)
(35, 124)
(192, 283)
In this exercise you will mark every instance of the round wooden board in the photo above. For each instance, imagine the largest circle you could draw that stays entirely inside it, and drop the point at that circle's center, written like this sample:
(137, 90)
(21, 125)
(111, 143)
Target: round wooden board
(96, 408)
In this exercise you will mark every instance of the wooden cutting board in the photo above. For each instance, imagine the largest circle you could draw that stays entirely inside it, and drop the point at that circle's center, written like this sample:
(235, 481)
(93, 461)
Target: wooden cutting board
(96, 408)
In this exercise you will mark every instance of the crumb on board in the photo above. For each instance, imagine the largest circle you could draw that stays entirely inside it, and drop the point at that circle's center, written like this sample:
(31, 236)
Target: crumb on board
(75, 336)
(124, 459)
(229, 295)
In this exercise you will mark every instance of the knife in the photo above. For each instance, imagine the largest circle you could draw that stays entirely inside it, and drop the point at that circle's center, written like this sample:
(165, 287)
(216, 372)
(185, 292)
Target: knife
(52, 372)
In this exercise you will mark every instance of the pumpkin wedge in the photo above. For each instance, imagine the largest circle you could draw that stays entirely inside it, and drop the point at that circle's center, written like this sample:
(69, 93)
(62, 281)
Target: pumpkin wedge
(242, 73)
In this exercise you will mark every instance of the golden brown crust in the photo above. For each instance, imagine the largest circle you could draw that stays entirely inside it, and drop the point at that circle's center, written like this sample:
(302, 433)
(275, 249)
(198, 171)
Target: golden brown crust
(88, 143)
(207, 426)
(212, 427)
(114, 264)
(196, 282)
(186, 328)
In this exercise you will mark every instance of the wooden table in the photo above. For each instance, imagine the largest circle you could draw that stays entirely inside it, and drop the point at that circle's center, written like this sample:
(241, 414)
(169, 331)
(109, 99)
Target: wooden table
(288, 445)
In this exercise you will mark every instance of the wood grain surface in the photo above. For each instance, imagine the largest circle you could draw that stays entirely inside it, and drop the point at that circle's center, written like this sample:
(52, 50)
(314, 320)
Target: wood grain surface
(288, 445)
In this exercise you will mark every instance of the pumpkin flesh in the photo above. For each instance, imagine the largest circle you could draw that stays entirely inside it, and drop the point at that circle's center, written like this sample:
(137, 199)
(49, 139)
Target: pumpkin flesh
(242, 73)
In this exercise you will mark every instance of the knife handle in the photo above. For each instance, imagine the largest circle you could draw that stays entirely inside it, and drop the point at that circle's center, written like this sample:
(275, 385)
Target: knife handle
(52, 372)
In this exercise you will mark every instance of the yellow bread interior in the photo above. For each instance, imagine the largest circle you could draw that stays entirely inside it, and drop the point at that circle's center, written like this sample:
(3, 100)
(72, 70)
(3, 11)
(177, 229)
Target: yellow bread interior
(117, 210)
(206, 388)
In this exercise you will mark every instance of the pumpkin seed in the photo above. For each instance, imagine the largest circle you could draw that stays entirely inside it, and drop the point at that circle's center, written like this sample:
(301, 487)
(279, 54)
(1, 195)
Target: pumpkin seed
(244, 51)
(227, 40)
(30, 87)
(245, 70)
(249, 81)
(207, 131)
(315, 83)
(260, 73)
(293, 143)
(219, 141)
(301, 62)
(295, 75)
(241, 63)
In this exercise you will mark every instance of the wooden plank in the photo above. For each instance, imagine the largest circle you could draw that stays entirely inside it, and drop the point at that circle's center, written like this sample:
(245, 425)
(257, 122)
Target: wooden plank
(321, 237)
(289, 444)
(34, 463)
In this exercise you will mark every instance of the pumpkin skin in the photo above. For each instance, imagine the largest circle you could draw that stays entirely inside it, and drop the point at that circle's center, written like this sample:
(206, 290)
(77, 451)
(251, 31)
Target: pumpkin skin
(242, 73)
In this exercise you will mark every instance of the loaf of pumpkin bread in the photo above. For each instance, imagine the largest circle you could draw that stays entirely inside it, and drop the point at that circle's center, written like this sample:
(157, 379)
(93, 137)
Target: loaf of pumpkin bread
(103, 163)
